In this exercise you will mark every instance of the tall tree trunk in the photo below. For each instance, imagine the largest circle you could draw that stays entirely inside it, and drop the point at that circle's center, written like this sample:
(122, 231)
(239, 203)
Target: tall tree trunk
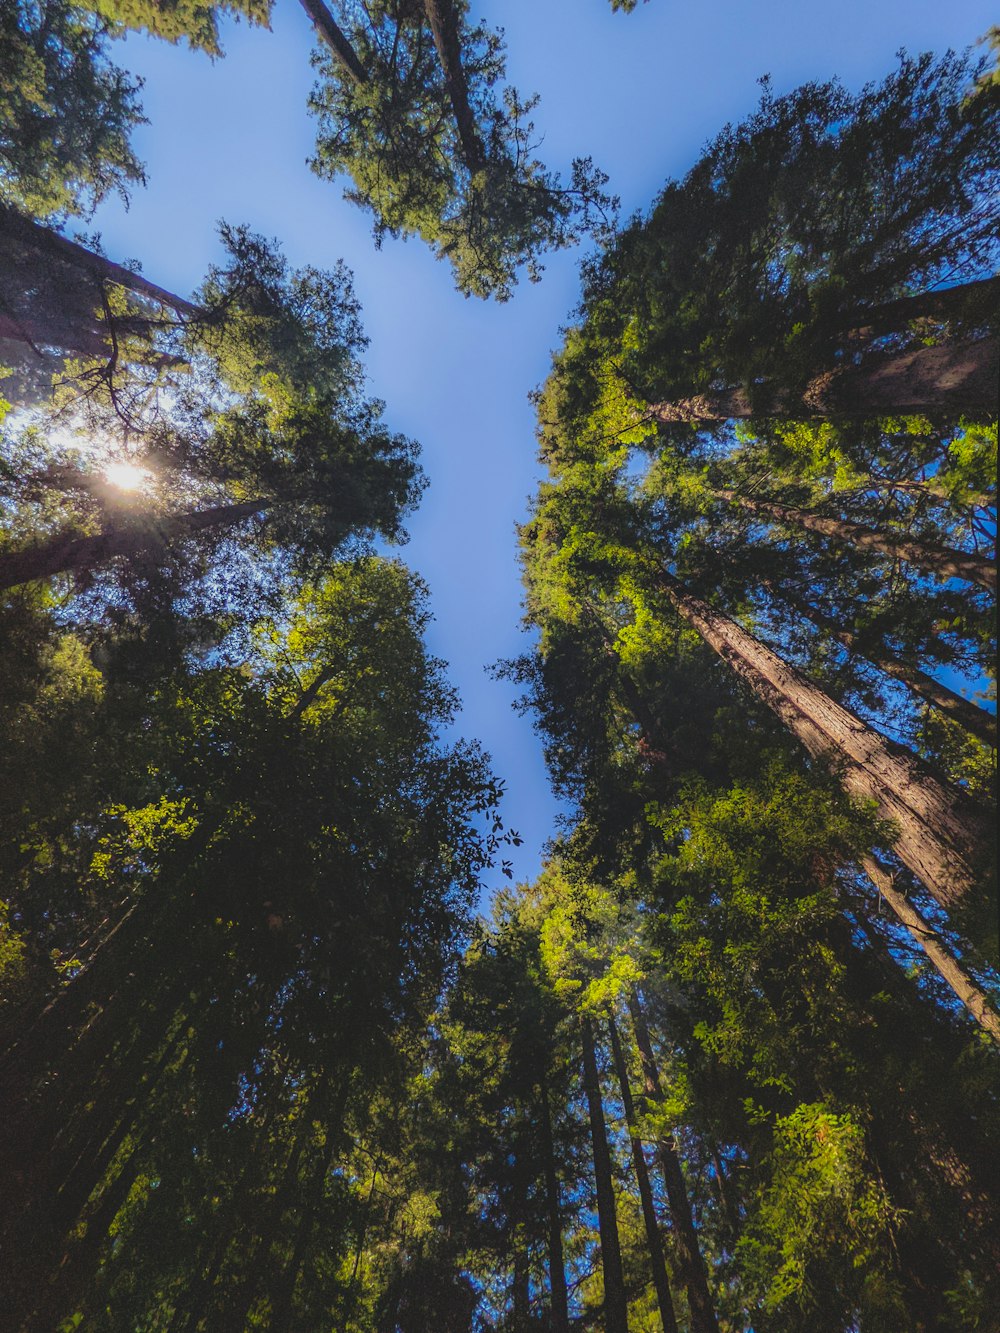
(335, 39)
(444, 26)
(661, 1281)
(695, 1275)
(942, 838)
(944, 562)
(952, 378)
(941, 958)
(559, 1318)
(61, 554)
(615, 1303)
(967, 714)
(48, 241)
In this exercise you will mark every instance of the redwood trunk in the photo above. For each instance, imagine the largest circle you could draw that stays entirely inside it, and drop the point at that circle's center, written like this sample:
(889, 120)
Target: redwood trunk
(951, 377)
(615, 1303)
(700, 1304)
(62, 554)
(945, 562)
(334, 38)
(942, 835)
(557, 1264)
(941, 958)
(33, 233)
(966, 713)
(661, 1282)
(444, 26)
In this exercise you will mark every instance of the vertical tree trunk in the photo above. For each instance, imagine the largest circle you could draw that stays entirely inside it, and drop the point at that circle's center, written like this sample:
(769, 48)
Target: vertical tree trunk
(335, 39)
(661, 1282)
(615, 1303)
(444, 26)
(943, 837)
(944, 562)
(557, 1264)
(61, 554)
(967, 714)
(702, 1308)
(941, 958)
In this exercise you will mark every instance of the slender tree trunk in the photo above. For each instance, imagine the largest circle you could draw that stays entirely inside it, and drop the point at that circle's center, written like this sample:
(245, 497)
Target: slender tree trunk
(944, 562)
(43, 238)
(980, 299)
(615, 1303)
(951, 377)
(334, 38)
(557, 1264)
(967, 714)
(61, 554)
(700, 1304)
(941, 958)
(942, 837)
(661, 1281)
(444, 26)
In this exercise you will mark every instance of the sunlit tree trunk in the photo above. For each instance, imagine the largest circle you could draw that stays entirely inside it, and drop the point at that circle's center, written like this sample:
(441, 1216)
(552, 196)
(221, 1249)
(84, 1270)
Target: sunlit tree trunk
(944, 562)
(615, 1303)
(661, 1281)
(942, 837)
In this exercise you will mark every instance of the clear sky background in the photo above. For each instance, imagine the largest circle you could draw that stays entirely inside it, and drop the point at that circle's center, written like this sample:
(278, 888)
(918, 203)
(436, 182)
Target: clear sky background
(641, 93)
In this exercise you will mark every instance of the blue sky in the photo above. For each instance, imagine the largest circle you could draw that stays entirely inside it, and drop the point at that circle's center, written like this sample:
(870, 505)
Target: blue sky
(641, 93)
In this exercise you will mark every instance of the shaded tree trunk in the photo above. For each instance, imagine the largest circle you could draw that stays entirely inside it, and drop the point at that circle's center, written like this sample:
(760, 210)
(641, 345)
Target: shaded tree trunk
(661, 1281)
(444, 26)
(334, 38)
(967, 714)
(62, 554)
(615, 1303)
(944, 562)
(557, 1264)
(951, 377)
(940, 957)
(943, 838)
(700, 1304)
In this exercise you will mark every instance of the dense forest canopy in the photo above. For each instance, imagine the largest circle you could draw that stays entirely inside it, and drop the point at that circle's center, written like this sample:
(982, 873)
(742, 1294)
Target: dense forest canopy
(269, 1057)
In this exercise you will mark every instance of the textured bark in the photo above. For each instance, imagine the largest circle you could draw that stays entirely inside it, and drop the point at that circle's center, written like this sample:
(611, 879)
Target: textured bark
(334, 38)
(943, 837)
(444, 26)
(967, 714)
(62, 554)
(615, 1303)
(25, 230)
(661, 1281)
(951, 377)
(945, 562)
(941, 958)
(559, 1317)
(695, 1275)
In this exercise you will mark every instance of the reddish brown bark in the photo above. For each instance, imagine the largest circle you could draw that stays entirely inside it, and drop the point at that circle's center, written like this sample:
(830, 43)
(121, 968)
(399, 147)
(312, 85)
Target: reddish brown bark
(63, 554)
(951, 377)
(966, 713)
(940, 957)
(945, 562)
(942, 835)
(444, 26)
(334, 38)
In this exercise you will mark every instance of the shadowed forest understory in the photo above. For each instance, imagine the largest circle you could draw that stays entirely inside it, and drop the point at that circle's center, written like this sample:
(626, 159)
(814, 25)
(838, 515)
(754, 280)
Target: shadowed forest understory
(729, 1064)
